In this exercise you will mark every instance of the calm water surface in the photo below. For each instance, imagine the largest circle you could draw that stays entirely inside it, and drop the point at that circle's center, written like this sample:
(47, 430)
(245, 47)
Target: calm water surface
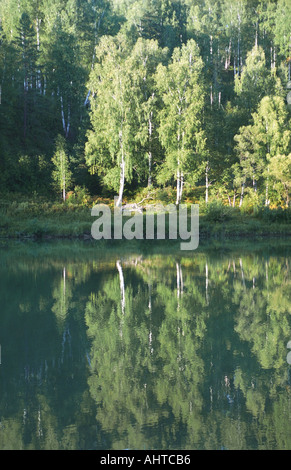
(103, 349)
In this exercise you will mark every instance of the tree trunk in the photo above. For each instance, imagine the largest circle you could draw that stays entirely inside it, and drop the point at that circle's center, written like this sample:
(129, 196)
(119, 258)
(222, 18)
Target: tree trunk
(150, 150)
(64, 188)
(242, 194)
(150, 170)
(38, 79)
(181, 185)
(122, 173)
(206, 183)
(178, 186)
(254, 183)
(66, 127)
(122, 286)
(267, 202)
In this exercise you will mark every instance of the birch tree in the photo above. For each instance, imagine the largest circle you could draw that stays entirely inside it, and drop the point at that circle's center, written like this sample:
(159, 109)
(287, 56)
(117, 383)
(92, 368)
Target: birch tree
(145, 57)
(110, 148)
(62, 175)
(268, 136)
(63, 59)
(181, 90)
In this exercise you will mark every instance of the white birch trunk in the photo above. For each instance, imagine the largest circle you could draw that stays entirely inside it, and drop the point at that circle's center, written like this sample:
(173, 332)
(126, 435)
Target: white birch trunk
(206, 183)
(254, 183)
(38, 78)
(87, 98)
(178, 185)
(64, 188)
(181, 186)
(150, 152)
(66, 126)
(63, 114)
(122, 173)
(267, 202)
(150, 170)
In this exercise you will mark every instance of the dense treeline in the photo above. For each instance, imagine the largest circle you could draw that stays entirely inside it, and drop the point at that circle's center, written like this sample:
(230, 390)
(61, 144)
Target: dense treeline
(123, 97)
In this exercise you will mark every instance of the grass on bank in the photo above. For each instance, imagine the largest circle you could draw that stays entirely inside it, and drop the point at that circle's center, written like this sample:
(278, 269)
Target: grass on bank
(41, 219)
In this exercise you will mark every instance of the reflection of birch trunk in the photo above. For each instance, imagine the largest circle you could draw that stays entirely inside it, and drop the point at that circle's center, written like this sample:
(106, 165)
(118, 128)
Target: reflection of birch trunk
(39, 424)
(150, 299)
(122, 289)
(180, 285)
(64, 283)
(267, 277)
(63, 305)
(178, 280)
(150, 313)
(66, 338)
(242, 272)
(206, 283)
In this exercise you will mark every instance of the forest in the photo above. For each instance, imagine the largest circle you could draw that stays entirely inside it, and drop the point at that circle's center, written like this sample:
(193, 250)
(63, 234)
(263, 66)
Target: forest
(143, 99)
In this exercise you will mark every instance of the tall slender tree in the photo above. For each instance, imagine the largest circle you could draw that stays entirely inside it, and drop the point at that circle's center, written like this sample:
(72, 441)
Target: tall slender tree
(110, 149)
(27, 47)
(62, 175)
(181, 90)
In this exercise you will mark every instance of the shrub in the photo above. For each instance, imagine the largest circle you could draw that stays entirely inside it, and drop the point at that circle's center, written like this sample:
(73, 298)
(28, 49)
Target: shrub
(275, 215)
(216, 211)
(80, 195)
(252, 202)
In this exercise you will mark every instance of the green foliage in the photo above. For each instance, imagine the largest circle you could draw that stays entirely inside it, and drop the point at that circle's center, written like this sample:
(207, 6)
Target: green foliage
(80, 195)
(217, 211)
(137, 345)
(146, 93)
(278, 214)
(61, 173)
(252, 202)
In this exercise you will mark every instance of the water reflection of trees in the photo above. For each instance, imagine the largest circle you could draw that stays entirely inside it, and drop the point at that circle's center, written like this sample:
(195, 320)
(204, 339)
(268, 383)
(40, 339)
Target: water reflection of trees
(151, 352)
(215, 345)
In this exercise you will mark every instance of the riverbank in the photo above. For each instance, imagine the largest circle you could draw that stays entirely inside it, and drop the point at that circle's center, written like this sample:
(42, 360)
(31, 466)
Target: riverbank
(68, 221)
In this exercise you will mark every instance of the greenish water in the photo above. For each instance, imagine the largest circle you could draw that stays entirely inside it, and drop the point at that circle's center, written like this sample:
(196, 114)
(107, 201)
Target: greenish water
(141, 349)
